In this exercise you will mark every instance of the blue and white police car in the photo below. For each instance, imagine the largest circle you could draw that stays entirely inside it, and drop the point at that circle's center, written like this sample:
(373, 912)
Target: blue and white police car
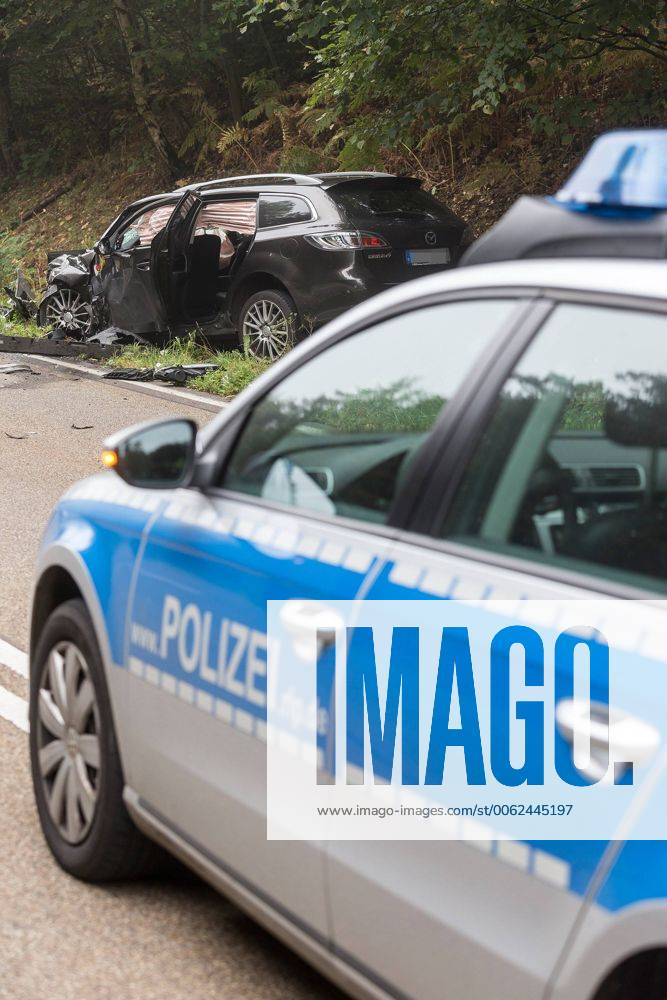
(451, 438)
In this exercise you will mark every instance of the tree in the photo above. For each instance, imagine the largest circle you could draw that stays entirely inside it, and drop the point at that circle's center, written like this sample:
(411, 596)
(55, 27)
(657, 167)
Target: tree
(135, 46)
(6, 119)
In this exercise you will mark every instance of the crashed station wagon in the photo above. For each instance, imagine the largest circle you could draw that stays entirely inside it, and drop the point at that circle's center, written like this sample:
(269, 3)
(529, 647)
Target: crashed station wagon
(258, 260)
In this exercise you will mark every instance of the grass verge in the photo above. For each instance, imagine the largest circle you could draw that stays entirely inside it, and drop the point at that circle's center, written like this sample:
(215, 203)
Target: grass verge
(234, 373)
(14, 328)
(235, 370)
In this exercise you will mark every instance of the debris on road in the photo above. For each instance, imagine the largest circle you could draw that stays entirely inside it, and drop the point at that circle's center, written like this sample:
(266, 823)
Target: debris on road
(131, 374)
(112, 336)
(11, 369)
(53, 348)
(22, 303)
(82, 427)
(174, 374)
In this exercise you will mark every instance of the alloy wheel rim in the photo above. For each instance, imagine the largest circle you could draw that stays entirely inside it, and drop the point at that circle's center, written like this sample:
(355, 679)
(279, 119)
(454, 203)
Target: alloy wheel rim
(67, 310)
(266, 329)
(68, 741)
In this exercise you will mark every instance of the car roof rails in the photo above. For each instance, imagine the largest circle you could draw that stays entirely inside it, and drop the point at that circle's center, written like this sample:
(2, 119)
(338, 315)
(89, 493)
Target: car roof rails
(338, 176)
(310, 180)
(613, 205)
(253, 180)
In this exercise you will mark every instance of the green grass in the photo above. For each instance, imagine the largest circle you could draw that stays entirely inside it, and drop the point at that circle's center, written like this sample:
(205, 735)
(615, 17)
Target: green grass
(19, 328)
(12, 249)
(235, 370)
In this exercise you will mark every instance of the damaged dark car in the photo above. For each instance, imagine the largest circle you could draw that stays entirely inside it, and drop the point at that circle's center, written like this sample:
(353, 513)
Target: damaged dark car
(253, 262)
(67, 305)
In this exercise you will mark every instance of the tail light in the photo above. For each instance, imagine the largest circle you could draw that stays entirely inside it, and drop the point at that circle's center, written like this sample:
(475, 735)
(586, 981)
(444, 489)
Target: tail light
(351, 240)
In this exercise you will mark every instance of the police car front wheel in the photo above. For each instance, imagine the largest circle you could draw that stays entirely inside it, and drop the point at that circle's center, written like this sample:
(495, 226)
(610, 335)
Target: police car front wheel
(76, 770)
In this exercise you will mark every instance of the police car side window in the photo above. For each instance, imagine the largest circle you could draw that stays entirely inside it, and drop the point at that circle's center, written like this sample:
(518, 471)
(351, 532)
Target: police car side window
(572, 467)
(337, 435)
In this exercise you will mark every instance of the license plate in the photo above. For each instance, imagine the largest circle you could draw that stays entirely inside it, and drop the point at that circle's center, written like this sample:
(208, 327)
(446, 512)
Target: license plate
(424, 258)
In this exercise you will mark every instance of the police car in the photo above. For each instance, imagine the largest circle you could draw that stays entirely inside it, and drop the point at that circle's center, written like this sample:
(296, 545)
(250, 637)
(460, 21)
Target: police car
(517, 449)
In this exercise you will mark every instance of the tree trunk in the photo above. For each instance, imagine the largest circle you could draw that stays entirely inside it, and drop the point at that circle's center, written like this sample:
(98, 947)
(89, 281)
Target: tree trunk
(269, 51)
(6, 123)
(140, 75)
(234, 91)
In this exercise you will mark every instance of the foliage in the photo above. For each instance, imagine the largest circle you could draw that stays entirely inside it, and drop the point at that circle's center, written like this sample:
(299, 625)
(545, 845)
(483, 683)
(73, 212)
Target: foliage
(482, 99)
(585, 409)
(399, 408)
(352, 82)
(235, 373)
(19, 328)
(11, 253)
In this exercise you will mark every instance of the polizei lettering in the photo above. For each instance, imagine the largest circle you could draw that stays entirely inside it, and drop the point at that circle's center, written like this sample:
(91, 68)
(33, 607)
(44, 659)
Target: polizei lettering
(221, 652)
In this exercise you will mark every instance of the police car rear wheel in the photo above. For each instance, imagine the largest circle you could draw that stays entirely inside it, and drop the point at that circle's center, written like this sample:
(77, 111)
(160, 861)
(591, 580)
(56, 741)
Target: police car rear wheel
(76, 769)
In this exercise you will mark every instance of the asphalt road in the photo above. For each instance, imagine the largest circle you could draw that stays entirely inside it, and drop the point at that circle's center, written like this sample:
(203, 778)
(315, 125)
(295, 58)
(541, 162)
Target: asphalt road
(60, 938)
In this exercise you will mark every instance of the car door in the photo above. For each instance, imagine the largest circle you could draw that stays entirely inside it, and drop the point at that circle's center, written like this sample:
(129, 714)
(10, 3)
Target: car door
(300, 511)
(169, 255)
(126, 279)
(551, 490)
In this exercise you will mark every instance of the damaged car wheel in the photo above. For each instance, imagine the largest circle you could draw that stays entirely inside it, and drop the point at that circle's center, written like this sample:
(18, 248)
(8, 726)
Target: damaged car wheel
(268, 321)
(67, 311)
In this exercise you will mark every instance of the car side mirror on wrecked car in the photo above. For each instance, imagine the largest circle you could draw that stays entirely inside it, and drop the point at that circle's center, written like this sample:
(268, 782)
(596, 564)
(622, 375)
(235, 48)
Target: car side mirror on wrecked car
(130, 239)
(158, 455)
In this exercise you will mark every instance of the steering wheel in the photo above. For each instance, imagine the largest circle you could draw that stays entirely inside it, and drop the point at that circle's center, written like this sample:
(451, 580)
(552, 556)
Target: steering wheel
(549, 480)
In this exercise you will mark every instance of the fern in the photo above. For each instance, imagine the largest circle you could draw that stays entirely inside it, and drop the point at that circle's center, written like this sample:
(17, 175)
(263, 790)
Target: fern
(205, 130)
(235, 137)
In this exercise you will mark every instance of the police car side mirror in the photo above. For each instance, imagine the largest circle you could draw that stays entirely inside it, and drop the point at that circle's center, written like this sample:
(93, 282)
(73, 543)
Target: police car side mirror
(158, 455)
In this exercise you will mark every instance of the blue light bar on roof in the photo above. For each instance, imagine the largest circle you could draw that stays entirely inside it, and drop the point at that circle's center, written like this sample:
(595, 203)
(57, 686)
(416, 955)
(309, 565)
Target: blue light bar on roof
(621, 170)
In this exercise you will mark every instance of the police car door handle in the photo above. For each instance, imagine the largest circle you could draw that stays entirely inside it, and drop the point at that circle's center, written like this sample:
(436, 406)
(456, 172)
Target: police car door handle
(599, 734)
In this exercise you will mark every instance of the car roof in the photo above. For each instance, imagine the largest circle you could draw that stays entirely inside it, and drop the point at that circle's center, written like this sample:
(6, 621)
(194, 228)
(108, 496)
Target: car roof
(290, 180)
(261, 182)
(635, 278)
(342, 177)
(632, 278)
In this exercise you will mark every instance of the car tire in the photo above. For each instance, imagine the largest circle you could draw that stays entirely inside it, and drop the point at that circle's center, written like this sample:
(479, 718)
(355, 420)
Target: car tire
(67, 311)
(95, 843)
(267, 324)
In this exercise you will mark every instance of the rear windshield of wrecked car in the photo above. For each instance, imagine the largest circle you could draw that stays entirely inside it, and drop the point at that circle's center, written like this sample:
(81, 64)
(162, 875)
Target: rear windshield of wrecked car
(358, 200)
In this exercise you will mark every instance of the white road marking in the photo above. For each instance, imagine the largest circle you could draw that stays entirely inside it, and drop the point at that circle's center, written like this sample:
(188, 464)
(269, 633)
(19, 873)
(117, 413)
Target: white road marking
(150, 388)
(13, 658)
(14, 709)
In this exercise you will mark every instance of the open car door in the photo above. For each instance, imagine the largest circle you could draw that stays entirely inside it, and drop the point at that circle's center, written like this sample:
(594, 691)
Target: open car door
(169, 255)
